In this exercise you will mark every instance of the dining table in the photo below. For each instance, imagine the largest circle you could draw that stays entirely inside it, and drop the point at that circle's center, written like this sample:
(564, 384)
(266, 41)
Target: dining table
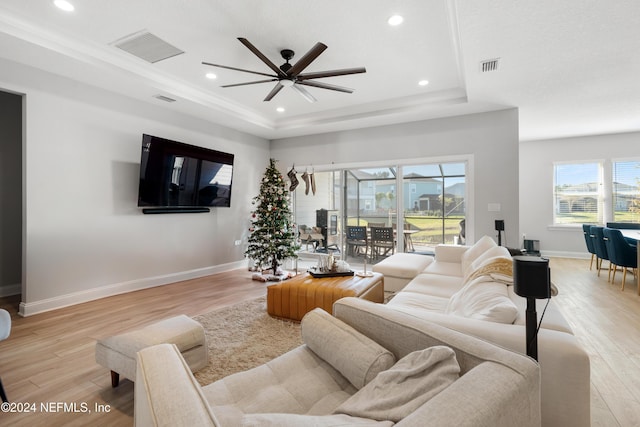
(634, 234)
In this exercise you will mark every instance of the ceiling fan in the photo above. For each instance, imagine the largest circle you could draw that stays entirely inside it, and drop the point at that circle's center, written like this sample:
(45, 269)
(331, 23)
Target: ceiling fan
(288, 75)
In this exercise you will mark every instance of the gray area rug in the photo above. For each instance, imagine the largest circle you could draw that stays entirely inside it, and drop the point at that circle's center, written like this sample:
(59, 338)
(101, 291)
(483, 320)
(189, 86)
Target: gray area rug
(243, 336)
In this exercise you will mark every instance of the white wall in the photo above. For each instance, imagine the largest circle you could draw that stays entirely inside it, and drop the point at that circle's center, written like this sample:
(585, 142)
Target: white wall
(84, 235)
(536, 185)
(491, 139)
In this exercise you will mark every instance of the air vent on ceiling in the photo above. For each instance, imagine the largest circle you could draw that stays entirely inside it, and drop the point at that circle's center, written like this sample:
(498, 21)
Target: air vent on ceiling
(164, 98)
(489, 65)
(147, 46)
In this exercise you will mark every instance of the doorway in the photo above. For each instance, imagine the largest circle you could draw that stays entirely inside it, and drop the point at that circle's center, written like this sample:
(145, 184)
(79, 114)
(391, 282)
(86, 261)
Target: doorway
(10, 194)
(427, 199)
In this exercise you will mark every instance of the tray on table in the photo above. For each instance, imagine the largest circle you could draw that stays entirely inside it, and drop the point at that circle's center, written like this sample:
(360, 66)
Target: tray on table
(319, 274)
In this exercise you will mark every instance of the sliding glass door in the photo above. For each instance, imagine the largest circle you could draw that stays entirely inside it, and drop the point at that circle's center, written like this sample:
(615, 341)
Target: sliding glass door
(427, 200)
(434, 204)
(370, 196)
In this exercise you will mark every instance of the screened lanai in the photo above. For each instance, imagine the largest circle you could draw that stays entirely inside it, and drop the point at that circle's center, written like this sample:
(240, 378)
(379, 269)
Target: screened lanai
(428, 200)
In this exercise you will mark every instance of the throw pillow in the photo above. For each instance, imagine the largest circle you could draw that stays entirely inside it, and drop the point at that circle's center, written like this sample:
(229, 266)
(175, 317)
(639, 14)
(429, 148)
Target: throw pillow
(296, 420)
(483, 300)
(357, 357)
(470, 255)
(397, 392)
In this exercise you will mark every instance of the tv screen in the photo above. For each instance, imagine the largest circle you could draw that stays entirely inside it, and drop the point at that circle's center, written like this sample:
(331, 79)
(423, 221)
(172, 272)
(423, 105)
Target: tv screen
(175, 175)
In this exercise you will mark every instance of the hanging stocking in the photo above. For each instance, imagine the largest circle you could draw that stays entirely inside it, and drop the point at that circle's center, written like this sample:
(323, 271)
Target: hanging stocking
(313, 183)
(292, 177)
(305, 178)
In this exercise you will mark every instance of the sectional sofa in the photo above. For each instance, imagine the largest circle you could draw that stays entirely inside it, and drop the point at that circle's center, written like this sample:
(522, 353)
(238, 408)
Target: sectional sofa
(364, 366)
(469, 289)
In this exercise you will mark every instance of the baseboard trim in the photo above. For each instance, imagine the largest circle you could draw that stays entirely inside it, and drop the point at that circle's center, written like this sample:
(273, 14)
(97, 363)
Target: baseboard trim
(9, 290)
(562, 254)
(35, 307)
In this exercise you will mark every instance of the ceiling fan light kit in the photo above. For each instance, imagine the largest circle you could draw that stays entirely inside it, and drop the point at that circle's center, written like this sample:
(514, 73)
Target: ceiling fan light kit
(290, 75)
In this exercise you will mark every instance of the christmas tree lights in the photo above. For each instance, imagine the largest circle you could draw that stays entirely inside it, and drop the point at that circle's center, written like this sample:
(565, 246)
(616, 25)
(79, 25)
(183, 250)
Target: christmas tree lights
(272, 237)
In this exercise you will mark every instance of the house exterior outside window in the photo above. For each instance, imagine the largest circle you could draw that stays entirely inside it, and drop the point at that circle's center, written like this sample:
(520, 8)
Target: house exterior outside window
(578, 193)
(626, 191)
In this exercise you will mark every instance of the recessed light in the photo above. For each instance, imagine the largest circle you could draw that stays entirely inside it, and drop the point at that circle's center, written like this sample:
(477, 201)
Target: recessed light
(395, 20)
(211, 76)
(64, 5)
(423, 82)
(280, 110)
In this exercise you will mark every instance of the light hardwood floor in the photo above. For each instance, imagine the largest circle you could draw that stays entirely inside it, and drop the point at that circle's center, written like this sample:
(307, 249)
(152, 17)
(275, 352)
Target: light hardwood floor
(49, 357)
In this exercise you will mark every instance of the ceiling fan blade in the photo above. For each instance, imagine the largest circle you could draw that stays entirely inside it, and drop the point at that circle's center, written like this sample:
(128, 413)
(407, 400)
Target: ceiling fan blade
(307, 59)
(331, 73)
(302, 91)
(238, 69)
(250, 83)
(263, 58)
(325, 86)
(273, 92)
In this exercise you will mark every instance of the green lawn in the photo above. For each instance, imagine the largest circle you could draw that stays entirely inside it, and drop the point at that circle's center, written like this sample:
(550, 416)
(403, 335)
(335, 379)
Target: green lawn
(429, 228)
(592, 217)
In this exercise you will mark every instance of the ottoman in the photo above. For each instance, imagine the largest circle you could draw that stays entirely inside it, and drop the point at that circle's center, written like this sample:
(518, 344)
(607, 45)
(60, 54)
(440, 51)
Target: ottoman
(399, 269)
(294, 298)
(118, 353)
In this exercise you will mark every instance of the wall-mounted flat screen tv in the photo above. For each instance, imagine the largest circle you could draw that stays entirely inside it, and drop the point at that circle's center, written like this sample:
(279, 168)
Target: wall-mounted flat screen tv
(178, 175)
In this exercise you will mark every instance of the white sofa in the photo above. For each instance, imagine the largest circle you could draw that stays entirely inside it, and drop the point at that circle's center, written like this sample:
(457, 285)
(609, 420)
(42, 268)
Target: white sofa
(469, 289)
(339, 377)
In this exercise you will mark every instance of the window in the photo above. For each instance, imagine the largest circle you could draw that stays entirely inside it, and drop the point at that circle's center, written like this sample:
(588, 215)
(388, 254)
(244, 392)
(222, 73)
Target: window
(577, 193)
(626, 191)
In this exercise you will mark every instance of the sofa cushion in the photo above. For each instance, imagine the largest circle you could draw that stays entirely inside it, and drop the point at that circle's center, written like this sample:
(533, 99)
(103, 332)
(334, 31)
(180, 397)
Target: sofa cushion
(354, 355)
(403, 265)
(553, 318)
(483, 299)
(294, 420)
(419, 301)
(471, 254)
(298, 382)
(435, 285)
(444, 268)
(396, 393)
(496, 263)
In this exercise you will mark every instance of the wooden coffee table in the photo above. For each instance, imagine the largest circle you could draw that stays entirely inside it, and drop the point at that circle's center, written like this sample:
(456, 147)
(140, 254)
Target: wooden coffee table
(294, 298)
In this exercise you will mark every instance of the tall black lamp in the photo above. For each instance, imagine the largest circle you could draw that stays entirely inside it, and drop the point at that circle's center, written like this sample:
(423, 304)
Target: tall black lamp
(531, 280)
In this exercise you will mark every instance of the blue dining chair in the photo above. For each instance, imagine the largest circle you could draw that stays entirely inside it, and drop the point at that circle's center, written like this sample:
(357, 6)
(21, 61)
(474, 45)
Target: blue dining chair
(621, 253)
(601, 248)
(625, 225)
(588, 239)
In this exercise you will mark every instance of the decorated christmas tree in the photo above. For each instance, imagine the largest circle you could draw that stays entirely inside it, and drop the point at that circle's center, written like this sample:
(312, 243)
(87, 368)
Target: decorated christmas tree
(272, 237)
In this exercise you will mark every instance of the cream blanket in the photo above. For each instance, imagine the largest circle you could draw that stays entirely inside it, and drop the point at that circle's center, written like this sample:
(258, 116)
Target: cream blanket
(498, 269)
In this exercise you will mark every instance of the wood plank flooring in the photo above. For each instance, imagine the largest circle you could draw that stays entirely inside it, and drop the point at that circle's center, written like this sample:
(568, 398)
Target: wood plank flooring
(607, 323)
(49, 357)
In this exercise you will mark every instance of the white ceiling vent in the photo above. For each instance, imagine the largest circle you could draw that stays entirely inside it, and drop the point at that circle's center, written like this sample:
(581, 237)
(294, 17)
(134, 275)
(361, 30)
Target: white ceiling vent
(147, 46)
(489, 65)
(164, 98)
